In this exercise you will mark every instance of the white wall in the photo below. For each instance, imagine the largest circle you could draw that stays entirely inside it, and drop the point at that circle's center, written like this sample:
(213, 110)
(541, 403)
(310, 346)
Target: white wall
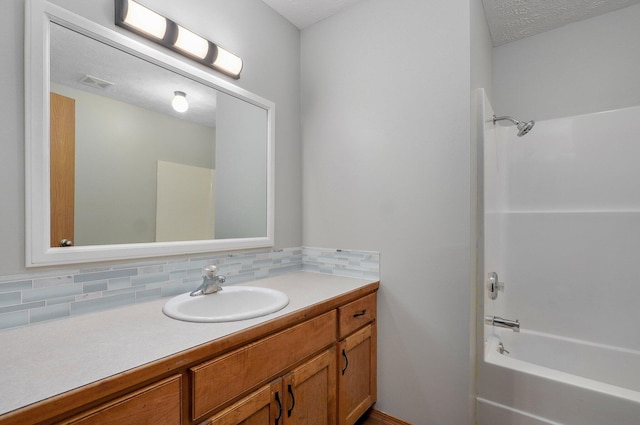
(385, 90)
(271, 70)
(12, 136)
(481, 54)
(588, 66)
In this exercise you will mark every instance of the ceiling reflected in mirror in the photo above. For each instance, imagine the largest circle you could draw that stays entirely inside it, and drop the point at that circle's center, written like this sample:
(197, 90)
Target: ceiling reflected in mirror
(82, 63)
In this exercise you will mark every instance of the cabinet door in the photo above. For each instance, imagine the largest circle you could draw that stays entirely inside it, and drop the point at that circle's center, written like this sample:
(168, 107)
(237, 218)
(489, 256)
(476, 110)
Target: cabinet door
(263, 407)
(310, 392)
(357, 376)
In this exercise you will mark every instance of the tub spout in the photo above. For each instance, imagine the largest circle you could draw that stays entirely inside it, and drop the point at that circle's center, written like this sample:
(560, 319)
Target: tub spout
(514, 325)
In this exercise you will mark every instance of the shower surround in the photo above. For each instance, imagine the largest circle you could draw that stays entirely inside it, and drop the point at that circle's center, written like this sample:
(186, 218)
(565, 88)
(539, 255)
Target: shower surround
(562, 230)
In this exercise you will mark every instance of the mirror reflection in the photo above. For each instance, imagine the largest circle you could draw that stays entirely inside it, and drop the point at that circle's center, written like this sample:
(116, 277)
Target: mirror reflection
(125, 167)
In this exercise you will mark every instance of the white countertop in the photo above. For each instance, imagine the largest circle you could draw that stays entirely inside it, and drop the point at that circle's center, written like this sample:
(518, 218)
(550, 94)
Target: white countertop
(41, 361)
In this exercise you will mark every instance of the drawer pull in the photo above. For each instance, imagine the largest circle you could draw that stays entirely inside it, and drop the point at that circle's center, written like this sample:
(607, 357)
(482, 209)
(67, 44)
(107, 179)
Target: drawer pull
(362, 313)
(293, 401)
(346, 361)
(279, 407)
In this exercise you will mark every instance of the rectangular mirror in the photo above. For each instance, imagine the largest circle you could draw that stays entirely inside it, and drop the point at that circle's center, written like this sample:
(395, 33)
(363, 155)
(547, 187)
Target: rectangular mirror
(114, 172)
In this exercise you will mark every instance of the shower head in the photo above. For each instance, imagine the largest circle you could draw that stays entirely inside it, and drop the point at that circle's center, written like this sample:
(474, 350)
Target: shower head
(523, 127)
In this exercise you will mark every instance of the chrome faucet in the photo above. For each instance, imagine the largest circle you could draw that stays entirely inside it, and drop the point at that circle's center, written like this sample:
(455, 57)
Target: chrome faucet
(210, 282)
(514, 325)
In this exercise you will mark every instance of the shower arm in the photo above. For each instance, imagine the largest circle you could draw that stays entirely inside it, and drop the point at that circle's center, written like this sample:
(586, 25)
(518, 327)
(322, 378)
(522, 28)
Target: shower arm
(513, 120)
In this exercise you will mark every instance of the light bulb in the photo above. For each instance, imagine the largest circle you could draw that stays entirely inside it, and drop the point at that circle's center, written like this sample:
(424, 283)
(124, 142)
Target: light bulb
(179, 102)
(228, 62)
(191, 43)
(145, 20)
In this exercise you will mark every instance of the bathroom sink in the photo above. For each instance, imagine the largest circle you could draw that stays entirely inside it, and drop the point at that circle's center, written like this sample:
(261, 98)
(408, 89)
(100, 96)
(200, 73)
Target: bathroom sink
(227, 305)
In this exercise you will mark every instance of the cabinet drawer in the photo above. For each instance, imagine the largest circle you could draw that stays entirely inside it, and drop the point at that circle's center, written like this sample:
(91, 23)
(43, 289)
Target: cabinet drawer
(220, 380)
(158, 404)
(260, 407)
(356, 314)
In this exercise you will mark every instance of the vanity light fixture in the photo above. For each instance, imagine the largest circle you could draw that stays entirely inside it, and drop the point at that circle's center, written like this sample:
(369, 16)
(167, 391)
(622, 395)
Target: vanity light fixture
(143, 21)
(179, 102)
(191, 43)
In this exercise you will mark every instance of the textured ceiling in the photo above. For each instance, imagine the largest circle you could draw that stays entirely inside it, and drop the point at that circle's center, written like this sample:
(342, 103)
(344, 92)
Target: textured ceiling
(304, 13)
(509, 20)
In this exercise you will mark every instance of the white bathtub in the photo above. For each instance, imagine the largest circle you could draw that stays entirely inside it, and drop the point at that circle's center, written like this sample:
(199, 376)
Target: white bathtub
(548, 379)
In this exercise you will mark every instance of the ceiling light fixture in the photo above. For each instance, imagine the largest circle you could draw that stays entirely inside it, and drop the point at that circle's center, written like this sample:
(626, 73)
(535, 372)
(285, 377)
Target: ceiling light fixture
(179, 102)
(143, 21)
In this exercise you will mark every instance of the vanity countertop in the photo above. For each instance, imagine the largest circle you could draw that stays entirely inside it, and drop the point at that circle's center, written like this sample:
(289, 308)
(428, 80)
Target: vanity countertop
(41, 361)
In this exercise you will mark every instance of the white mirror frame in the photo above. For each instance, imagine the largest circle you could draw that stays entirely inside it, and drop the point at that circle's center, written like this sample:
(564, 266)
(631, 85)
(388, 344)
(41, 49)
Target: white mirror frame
(38, 17)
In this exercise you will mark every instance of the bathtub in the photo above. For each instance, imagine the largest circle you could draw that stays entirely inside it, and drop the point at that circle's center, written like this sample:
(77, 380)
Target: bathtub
(546, 379)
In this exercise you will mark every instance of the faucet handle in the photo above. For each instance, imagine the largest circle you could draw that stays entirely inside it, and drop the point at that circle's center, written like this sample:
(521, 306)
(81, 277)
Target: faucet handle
(210, 271)
(494, 285)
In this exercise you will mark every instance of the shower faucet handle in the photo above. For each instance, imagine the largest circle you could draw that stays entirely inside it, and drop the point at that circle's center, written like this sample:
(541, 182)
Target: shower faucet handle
(494, 285)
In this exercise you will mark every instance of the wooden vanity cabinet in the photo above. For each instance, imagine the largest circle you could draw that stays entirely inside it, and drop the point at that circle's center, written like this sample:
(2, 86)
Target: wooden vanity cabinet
(357, 359)
(315, 366)
(335, 387)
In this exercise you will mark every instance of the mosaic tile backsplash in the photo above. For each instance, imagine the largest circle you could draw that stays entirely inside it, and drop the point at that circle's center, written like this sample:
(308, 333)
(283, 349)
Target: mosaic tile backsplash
(39, 297)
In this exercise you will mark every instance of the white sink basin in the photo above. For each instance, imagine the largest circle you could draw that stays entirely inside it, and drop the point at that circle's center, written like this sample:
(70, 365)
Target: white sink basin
(230, 304)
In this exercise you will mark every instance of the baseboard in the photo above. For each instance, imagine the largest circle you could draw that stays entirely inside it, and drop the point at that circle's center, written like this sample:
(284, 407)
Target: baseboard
(385, 419)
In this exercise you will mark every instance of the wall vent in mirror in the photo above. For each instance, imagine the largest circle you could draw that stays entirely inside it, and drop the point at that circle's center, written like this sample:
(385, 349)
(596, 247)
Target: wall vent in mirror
(143, 21)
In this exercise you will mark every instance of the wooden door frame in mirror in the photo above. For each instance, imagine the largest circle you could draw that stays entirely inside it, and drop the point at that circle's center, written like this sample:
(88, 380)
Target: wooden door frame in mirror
(38, 17)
